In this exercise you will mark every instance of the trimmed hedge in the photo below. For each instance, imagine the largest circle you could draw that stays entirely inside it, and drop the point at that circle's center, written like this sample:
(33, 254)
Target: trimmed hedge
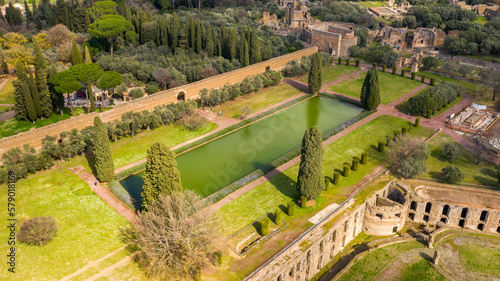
(417, 122)
(327, 184)
(413, 75)
(264, 226)
(347, 62)
(403, 73)
(278, 216)
(347, 170)
(217, 258)
(384, 68)
(355, 163)
(364, 158)
(381, 146)
(303, 201)
(122, 195)
(290, 207)
(340, 60)
(357, 63)
(394, 70)
(336, 177)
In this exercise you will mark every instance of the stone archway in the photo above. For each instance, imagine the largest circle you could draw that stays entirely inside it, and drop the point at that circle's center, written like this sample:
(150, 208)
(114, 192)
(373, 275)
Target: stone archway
(181, 95)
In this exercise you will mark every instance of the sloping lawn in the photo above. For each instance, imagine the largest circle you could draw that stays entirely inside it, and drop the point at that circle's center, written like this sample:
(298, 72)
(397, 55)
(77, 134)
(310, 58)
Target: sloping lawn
(392, 87)
(258, 100)
(333, 72)
(87, 228)
(7, 93)
(421, 270)
(484, 173)
(276, 192)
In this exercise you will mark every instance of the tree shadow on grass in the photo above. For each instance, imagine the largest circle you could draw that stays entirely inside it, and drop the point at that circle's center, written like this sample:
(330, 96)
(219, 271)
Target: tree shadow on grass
(90, 157)
(488, 172)
(436, 175)
(297, 85)
(485, 181)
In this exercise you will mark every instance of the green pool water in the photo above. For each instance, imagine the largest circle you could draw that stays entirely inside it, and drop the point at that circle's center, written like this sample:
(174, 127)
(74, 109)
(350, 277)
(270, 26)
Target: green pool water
(216, 164)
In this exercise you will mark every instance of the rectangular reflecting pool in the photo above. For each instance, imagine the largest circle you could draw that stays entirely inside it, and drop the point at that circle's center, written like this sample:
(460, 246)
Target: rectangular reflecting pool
(212, 166)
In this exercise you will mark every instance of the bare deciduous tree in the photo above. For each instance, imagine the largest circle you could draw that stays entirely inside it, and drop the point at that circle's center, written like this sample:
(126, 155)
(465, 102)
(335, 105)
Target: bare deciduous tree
(404, 148)
(174, 238)
(162, 76)
(479, 150)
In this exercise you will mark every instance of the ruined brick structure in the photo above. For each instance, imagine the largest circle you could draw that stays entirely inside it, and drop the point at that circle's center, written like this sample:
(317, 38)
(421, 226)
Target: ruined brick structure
(270, 20)
(334, 38)
(382, 214)
(297, 15)
(420, 38)
(34, 137)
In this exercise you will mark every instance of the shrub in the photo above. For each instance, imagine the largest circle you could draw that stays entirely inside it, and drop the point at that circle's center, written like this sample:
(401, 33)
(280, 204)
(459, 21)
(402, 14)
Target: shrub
(422, 79)
(264, 226)
(412, 167)
(451, 151)
(374, 65)
(290, 207)
(403, 73)
(278, 216)
(347, 169)
(417, 122)
(381, 146)
(384, 68)
(336, 177)
(340, 60)
(193, 122)
(347, 61)
(303, 201)
(452, 174)
(136, 93)
(364, 158)
(429, 114)
(357, 63)
(394, 70)
(433, 82)
(37, 231)
(217, 258)
(355, 163)
(405, 131)
(327, 184)
(413, 75)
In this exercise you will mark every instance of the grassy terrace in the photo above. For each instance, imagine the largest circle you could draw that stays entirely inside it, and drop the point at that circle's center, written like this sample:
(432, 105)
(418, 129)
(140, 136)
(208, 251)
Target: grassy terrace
(88, 228)
(6, 93)
(484, 173)
(281, 189)
(421, 270)
(258, 100)
(480, 258)
(370, 4)
(392, 87)
(370, 265)
(333, 72)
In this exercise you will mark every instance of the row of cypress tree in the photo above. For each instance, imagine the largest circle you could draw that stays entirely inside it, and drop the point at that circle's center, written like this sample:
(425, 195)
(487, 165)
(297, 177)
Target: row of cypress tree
(31, 92)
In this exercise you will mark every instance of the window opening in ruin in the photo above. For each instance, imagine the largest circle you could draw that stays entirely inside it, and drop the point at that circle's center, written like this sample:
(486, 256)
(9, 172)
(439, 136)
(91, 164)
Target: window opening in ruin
(446, 210)
(465, 212)
(395, 229)
(356, 218)
(413, 206)
(321, 246)
(461, 223)
(484, 216)
(343, 242)
(291, 271)
(444, 220)
(181, 96)
(398, 215)
(426, 218)
(421, 41)
(345, 226)
(428, 207)
(498, 229)
(480, 226)
(268, 68)
(380, 216)
(320, 261)
(279, 278)
(354, 232)
(411, 216)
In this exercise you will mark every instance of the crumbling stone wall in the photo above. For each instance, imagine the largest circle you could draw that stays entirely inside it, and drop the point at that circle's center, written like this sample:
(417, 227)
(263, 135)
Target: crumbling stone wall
(331, 37)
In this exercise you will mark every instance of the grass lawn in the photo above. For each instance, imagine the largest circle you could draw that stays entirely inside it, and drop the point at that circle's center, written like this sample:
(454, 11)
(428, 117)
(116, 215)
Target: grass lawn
(484, 173)
(258, 100)
(481, 20)
(479, 258)
(276, 192)
(392, 87)
(421, 270)
(13, 126)
(7, 93)
(87, 227)
(370, 265)
(5, 108)
(369, 4)
(334, 72)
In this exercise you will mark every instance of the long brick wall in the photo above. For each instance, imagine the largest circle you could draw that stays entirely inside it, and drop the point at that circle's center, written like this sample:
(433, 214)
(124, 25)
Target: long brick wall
(34, 137)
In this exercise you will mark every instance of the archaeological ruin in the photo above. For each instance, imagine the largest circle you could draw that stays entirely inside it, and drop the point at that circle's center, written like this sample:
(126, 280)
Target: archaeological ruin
(382, 214)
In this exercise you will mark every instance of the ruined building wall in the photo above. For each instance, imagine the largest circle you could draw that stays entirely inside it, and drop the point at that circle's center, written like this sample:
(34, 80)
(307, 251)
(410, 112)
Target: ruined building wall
(34, 137)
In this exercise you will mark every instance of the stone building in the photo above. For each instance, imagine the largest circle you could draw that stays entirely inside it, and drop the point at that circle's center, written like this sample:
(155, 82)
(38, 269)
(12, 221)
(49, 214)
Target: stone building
(270, 20)
(334, 38)
(419, 38)
(297, 15)
(382, 214)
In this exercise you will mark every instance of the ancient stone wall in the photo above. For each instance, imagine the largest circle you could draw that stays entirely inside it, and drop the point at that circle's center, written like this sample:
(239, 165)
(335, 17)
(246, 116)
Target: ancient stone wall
(34, 137)
(331, 37)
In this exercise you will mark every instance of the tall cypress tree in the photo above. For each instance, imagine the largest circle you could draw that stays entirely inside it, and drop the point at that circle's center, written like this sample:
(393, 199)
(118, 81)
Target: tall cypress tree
(315, 79)
(28, 13)
(102, 150)
(35, 94)
(39, 58)
(28, 100)
(232, 40)
(370, 92)
(62, 13)
(192, 33)
(77, 56)
(175, 26)
(255, 55)
(246, 58)
(161, 175)
(88, 57)
(4, 67)
(209, 43)
(41, 81)
(198, 44)
(310, 181)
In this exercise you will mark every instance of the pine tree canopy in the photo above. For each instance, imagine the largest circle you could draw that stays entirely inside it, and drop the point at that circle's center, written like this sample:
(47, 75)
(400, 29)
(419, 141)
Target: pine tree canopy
(310, 181)
(161, 175)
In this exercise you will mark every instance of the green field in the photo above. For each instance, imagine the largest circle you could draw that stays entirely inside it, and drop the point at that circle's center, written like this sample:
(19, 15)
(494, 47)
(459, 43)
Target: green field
(392, 87)
(87, 228)
(421, 271)
(334, 72)
(481, 20)
(281, 189)
(478, 258)
(257, 101)
(369, 4)
(7, 93)
(370, 265)
(484, 173)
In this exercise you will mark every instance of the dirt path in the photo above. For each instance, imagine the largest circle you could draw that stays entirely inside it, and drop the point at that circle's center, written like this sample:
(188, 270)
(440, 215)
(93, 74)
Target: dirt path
(108, 270)
(89, 265)
(105, 194)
